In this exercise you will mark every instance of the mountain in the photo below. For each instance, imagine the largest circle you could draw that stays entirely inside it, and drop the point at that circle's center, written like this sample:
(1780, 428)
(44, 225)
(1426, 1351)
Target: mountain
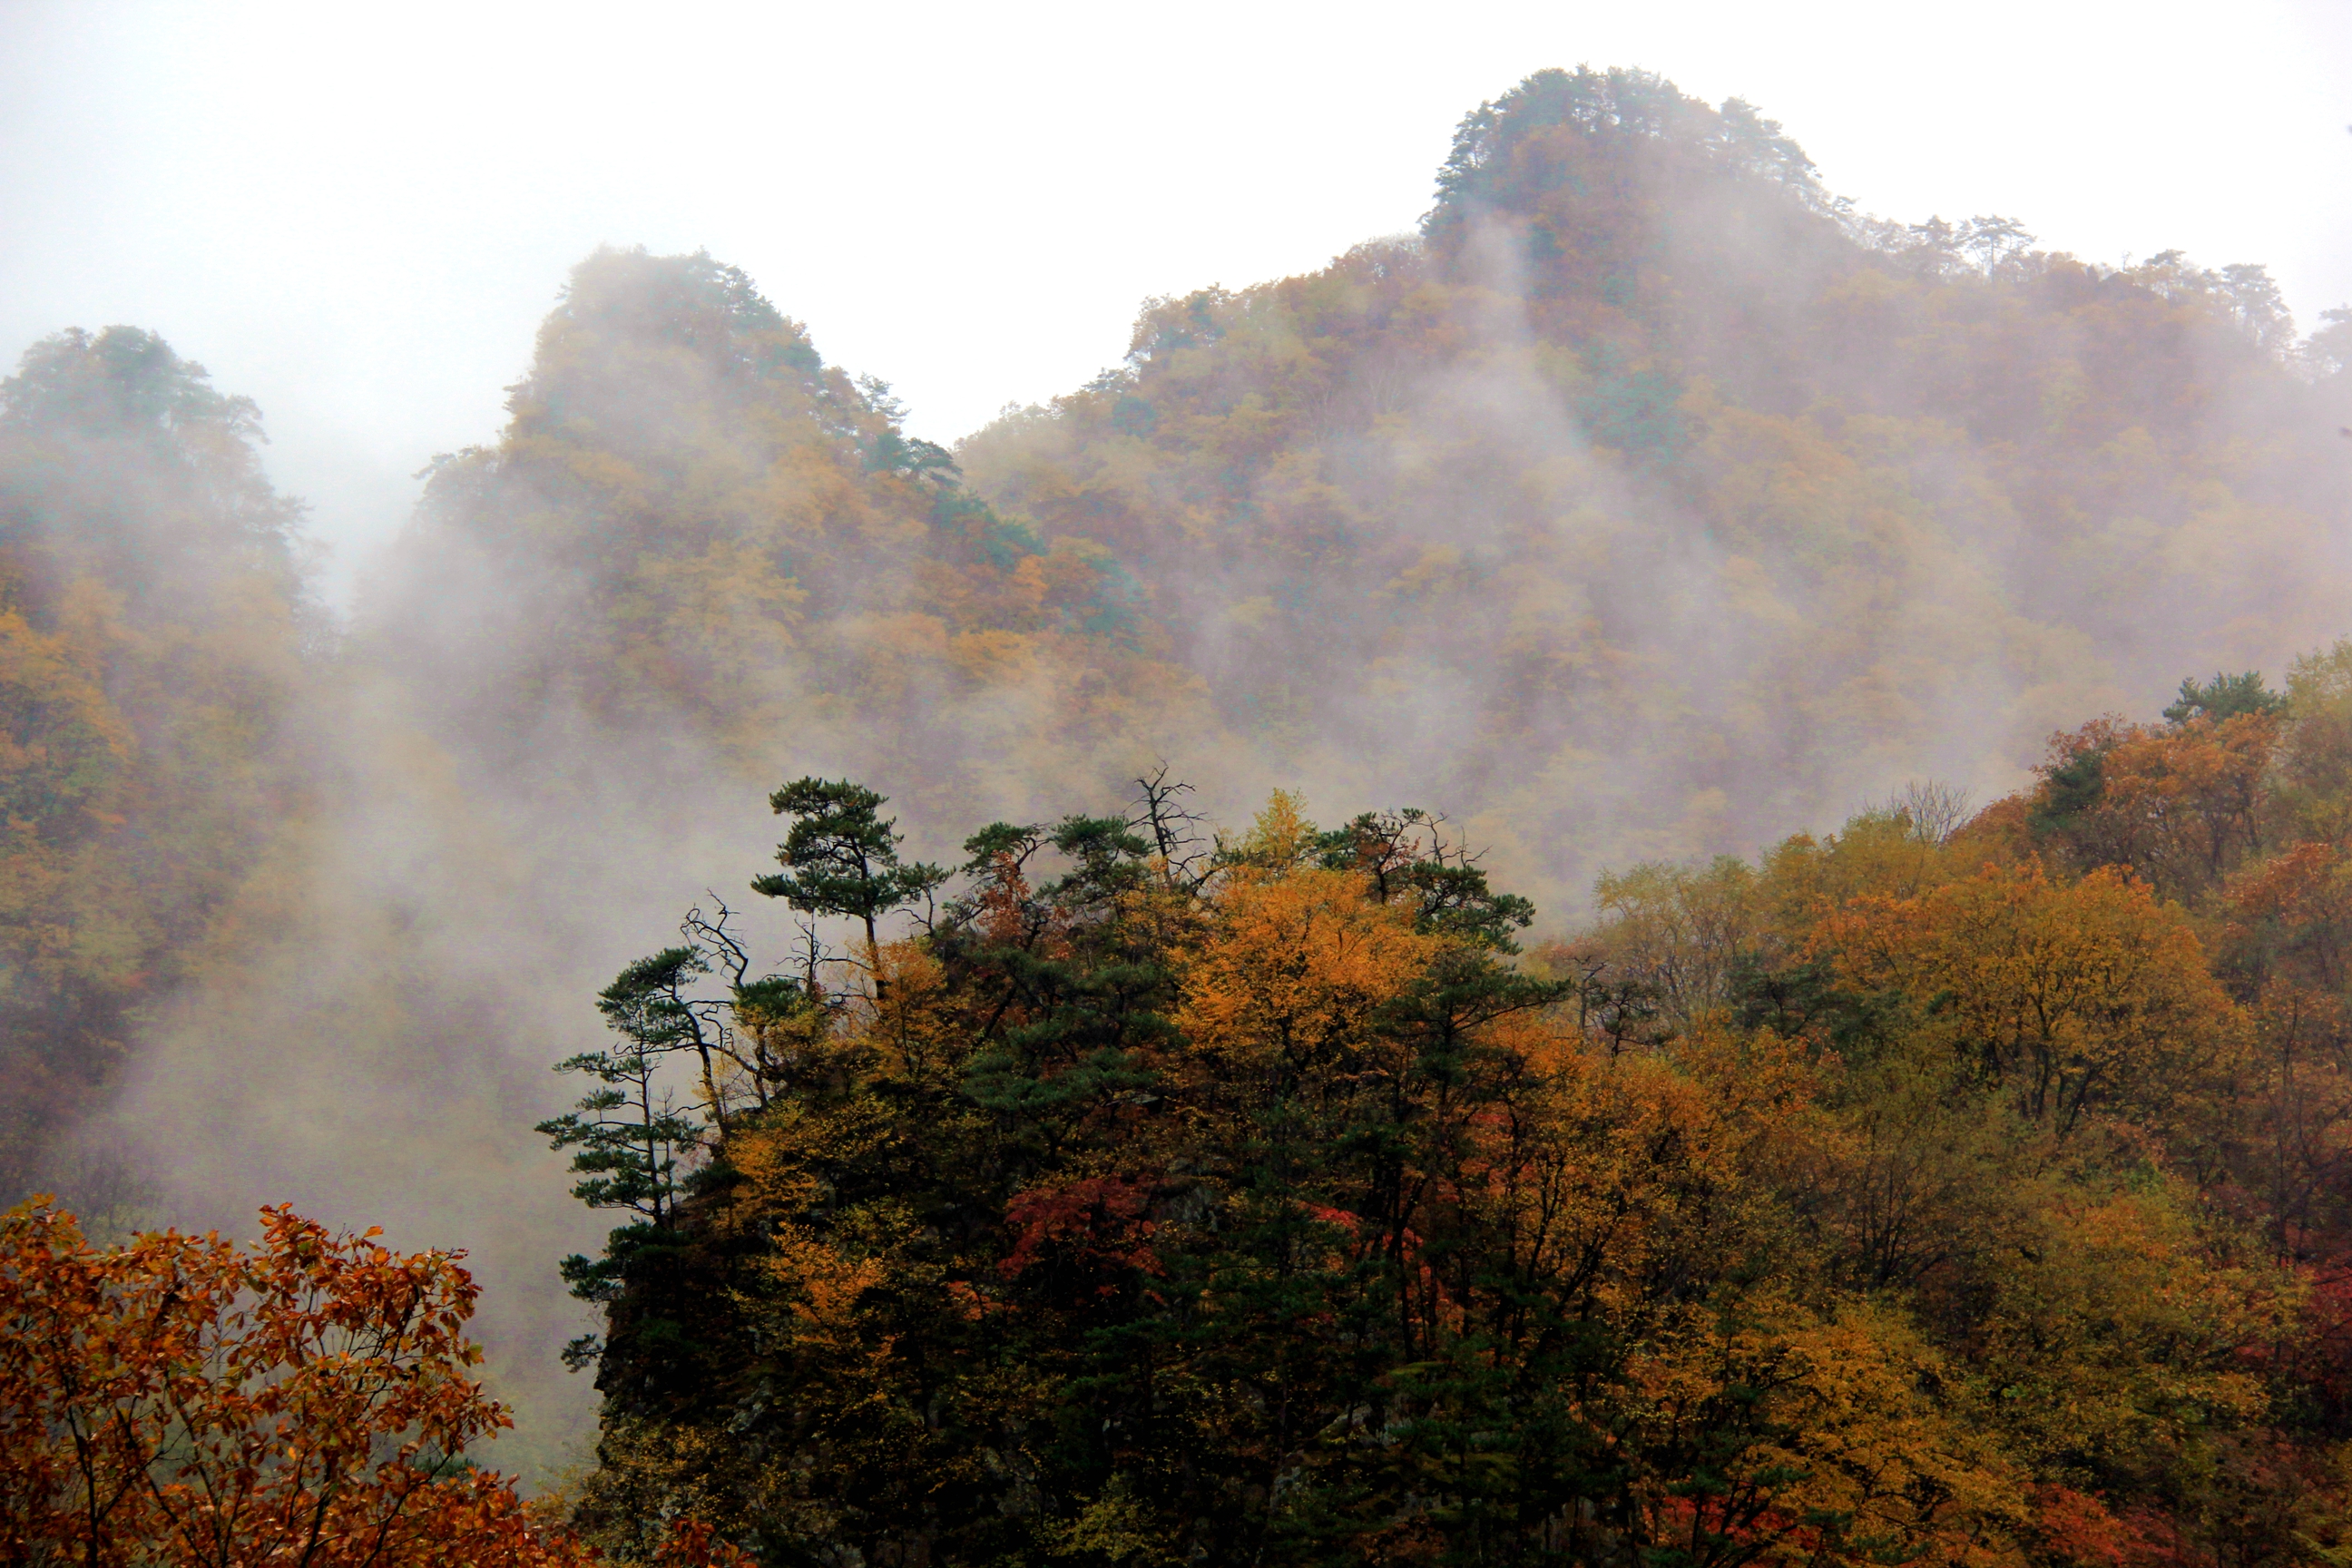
(1647, 504)
(1649, 501)
(693, 526)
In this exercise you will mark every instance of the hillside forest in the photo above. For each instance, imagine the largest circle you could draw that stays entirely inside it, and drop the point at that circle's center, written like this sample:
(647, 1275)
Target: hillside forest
(1655, 876)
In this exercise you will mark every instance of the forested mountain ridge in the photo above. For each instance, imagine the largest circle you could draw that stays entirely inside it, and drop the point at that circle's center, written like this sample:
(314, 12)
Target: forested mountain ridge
(693, 523)
(1647, 477)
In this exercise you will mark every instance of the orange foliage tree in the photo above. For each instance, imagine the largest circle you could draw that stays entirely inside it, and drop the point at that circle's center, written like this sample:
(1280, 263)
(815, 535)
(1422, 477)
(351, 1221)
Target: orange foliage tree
(180, 1400)
(2071, 994)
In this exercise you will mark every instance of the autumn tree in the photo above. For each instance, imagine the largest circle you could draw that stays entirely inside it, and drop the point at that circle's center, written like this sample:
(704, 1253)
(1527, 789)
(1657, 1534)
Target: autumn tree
(2180, 804)
(182, 1400)
(2068, 995)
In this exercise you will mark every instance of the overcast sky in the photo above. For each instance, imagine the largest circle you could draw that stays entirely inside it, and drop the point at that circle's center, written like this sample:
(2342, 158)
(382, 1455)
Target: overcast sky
(357, 213)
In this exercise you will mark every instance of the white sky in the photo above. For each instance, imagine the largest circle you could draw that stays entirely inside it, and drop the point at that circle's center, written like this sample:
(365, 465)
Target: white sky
(357, 213)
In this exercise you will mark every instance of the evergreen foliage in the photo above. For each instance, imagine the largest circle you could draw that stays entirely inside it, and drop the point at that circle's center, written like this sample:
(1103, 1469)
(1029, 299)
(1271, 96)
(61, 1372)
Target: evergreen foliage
(841, 858)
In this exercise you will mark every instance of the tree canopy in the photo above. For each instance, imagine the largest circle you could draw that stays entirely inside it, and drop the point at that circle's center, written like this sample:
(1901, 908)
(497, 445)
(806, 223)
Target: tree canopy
(1938, 1190)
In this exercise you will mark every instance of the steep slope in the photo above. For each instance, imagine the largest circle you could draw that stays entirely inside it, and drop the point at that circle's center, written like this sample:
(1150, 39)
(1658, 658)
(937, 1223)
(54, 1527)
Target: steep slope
(151, 627)
(694, 526)
(1648, 500)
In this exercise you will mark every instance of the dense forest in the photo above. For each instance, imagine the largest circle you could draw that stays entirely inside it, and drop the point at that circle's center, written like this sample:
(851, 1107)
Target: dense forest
(1026, 1167)
(1932, 1190)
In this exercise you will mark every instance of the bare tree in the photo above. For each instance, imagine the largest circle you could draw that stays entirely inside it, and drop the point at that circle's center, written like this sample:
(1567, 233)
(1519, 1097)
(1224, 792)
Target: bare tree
(1175, 827)
(1933, 809)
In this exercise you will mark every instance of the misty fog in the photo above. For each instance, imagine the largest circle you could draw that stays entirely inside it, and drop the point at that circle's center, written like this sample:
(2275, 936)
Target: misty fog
(1645, 503)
